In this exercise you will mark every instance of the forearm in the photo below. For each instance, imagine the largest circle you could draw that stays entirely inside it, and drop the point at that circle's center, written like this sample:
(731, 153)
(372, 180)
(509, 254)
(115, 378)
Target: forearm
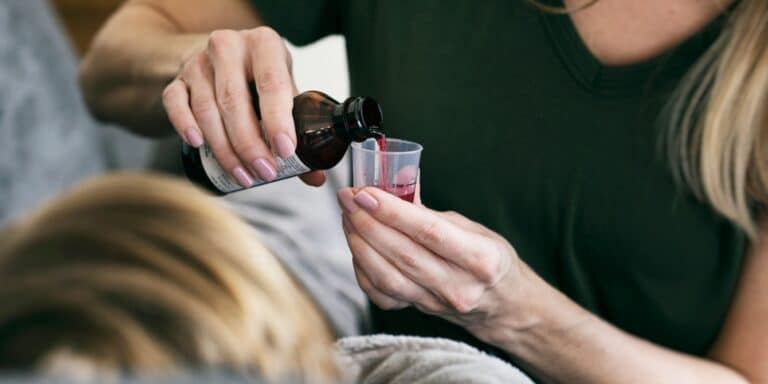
(135, 55)
(563, 342)
(141, 49)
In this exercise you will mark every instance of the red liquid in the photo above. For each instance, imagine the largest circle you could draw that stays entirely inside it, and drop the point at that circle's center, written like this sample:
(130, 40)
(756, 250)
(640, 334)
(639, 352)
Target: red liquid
(403, 191)
(381, 140)
(407, 196)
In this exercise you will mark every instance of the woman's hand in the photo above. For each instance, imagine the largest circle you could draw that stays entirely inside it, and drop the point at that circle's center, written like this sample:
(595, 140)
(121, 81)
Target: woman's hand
(444, 264)
(439, 262)
(209, 102)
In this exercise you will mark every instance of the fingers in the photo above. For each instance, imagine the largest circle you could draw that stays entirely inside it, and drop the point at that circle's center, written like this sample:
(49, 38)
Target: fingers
(413, 260)
(383, 277)
(446, 273)
(426, 227)
(381, 300)
(210, 102)
(176, 103)
(274, 84)
(198, 75)
(229, 59)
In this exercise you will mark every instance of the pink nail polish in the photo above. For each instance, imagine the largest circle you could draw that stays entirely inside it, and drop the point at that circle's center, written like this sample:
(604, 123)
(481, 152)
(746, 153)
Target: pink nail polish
(265, 169)
(242, 177)
(193, 137)
(284, 144)
(347, 199)
(365, 200)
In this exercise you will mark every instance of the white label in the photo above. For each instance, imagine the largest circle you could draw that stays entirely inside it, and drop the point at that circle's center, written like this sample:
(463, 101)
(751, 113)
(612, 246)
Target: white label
(286, 168)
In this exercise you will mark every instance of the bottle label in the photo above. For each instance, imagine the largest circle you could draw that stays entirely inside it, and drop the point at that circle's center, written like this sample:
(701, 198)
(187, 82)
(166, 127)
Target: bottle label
(288, 167)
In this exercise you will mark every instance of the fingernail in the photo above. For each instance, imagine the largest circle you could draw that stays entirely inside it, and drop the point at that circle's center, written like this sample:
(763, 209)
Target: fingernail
(193, 137)
(366, 201)
(265, 170)
(284, 144)
(242, 177)
(347, 199)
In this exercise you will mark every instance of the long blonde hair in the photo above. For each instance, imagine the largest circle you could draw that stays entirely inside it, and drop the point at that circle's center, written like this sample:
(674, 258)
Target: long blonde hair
(718, 119)
(717, 137)
(147, 274)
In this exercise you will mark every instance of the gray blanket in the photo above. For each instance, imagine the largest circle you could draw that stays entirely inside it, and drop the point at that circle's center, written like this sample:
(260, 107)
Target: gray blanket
(385, 359)
(48, 139)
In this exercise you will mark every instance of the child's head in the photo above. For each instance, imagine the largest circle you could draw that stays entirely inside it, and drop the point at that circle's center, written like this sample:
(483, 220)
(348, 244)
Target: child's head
(145, 273)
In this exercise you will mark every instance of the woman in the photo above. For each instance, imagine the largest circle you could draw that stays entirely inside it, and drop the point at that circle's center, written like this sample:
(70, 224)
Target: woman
(130, 273)
(591, 263)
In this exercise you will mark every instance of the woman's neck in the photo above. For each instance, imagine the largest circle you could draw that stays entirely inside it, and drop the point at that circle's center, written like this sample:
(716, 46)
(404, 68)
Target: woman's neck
(625, 32)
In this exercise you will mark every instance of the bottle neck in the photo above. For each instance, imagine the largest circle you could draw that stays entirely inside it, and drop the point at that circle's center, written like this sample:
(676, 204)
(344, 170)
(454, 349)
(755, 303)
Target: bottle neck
(360, 117)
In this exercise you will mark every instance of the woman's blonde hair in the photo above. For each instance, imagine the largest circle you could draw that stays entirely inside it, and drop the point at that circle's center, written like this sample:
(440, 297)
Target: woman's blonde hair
(717, 138)
(147, 274)
(718, 135)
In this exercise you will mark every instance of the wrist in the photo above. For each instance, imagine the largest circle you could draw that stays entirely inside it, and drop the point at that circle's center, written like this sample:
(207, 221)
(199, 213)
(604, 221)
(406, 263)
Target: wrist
(528, 312)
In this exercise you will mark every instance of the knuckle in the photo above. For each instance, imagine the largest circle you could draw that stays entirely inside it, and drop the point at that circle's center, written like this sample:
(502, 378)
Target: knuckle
(221, 40)
(171, 91)
(270, 80)
(490, 265)
(462, 300)
(245, 147)
(407, 259)
(195, 64)
(390, 215)
(258, 35)
(485, 270)
(203, 107)
(429, 233)
(231, 97)
(389, 285)
(364, 226)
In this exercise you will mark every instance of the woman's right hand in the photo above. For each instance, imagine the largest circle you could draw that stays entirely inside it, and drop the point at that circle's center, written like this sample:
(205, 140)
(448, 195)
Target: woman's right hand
(209, 102)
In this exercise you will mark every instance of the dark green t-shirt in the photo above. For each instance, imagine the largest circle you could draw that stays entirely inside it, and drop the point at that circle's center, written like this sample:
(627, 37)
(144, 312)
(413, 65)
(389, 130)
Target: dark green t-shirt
(525, 132)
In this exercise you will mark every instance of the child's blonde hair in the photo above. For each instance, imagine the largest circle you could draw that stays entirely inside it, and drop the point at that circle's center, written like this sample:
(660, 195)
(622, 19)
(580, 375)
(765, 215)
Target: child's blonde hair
(146, 273)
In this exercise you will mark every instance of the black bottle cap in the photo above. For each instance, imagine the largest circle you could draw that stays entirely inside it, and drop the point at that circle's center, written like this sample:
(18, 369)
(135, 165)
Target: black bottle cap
(364, 118)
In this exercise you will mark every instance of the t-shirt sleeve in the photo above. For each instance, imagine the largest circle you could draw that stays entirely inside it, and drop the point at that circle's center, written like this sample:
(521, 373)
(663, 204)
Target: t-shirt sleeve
(301, 21)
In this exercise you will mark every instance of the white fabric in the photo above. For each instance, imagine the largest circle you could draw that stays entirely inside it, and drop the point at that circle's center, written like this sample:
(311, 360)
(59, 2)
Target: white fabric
(386, 359)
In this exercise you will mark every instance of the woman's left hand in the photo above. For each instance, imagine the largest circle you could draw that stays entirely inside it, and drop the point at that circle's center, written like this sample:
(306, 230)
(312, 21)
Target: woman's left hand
(439, 262)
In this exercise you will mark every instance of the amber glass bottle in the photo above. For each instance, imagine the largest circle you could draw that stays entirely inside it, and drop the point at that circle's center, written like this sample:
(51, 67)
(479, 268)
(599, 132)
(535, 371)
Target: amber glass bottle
(324, 130)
